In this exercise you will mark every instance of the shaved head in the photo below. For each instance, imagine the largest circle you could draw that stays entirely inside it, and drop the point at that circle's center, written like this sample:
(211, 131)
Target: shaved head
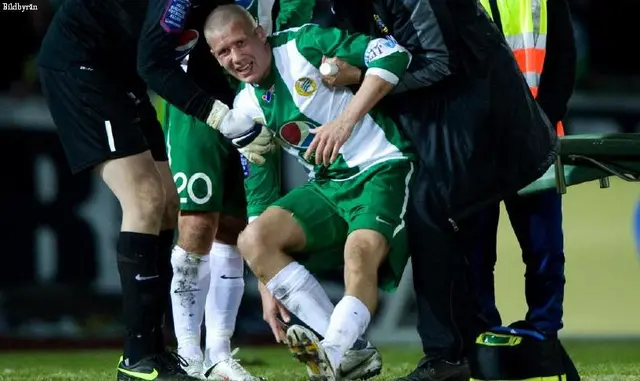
(238, 43)
(224, 15)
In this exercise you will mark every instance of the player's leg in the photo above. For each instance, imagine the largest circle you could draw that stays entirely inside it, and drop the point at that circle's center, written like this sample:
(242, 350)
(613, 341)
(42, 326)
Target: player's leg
(262, 189)
(226, 286)
(102, 129)
(301, 222)
(378, 203)
(155, 138)
(197, 158)
(375, 203)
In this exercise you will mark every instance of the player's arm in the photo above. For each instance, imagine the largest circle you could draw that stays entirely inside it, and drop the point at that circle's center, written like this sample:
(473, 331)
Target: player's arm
(384, 62)
(431, 60)
(158, 67)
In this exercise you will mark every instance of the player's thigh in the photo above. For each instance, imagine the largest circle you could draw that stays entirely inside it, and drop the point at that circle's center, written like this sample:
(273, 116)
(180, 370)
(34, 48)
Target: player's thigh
(197, 156)
(324, 229)
(262, 183)
(135, 182)
(95, 117)
(379, 203)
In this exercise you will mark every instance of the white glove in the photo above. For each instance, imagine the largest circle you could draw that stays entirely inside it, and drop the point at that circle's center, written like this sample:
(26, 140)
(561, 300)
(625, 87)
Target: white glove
(251, 139)
(230, 123)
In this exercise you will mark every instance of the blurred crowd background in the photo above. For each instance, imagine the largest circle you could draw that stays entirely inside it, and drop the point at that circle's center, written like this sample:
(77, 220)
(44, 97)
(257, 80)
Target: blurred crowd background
(58, 278)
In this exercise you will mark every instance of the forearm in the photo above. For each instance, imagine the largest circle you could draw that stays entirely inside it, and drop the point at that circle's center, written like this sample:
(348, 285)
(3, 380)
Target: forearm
(371, 91)
(433, 73)
(177, 88)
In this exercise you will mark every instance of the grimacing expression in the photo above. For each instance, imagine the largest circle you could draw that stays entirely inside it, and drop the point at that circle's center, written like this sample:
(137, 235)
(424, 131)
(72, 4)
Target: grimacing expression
(241, 50)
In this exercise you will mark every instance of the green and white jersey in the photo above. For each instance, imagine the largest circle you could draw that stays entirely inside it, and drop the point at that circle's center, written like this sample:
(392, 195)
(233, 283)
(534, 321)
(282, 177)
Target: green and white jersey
(292, 99)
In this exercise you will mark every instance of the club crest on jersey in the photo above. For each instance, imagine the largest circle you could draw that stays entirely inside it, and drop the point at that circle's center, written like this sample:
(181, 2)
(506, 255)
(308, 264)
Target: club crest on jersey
(175, 15)
(305, 86)
(297, 134)
(186, 43)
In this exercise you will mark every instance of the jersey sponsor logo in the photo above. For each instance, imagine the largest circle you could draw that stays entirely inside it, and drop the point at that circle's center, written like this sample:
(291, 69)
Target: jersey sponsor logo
(380, 48)
(245, 166)
(297, 134)
(246, 4)
(175, 15)
(268, 95)
(186, 43)
(305, 86)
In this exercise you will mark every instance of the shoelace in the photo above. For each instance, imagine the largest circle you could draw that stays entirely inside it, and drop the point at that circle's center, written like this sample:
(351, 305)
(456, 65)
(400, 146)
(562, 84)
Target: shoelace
(172, 361)
(235, 363)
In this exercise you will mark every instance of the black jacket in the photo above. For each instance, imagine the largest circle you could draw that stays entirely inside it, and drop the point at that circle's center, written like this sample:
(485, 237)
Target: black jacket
(463, 103)
(132, 40)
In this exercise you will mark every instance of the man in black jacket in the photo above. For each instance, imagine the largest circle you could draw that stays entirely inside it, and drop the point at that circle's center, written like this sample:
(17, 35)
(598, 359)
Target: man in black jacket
(96, 61)
(536, 219)
(480, 136)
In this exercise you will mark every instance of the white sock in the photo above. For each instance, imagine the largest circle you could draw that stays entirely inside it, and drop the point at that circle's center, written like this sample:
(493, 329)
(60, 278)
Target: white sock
(223, 301)
(303, 296)
(189, 288)
(349, 321)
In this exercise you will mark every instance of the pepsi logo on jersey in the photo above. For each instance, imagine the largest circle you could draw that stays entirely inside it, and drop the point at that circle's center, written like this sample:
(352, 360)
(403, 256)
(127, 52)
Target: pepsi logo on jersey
(187, 41)
(297, 134)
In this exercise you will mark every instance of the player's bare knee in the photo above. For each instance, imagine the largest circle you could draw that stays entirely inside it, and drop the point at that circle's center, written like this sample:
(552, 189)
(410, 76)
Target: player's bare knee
(253, 243)
(196, 231)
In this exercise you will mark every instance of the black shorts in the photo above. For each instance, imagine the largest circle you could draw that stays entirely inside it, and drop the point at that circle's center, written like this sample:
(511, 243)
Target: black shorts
(100, 117)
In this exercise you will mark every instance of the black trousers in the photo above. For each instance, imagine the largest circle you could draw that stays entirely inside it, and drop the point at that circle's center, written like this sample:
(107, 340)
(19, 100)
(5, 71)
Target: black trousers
(448, 319)
(479, 140)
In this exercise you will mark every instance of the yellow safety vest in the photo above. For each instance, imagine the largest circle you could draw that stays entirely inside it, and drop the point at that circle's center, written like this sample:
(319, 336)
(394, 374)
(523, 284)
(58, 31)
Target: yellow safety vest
(524, 25)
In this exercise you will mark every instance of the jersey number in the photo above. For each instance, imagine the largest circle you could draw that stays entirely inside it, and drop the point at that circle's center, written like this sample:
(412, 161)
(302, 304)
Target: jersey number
(183, 182)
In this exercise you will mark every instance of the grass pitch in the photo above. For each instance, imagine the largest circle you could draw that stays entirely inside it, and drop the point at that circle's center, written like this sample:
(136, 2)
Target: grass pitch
(597, 360)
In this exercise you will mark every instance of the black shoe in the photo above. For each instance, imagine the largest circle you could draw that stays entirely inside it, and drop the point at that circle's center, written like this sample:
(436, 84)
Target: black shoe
(165, 366)
(438, 370)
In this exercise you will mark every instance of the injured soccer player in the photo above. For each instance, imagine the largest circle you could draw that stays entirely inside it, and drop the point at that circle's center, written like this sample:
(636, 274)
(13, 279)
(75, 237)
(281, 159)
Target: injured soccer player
(351, 214)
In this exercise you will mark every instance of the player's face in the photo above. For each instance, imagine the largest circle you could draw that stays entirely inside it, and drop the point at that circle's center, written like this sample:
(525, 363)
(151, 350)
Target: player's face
(241, 51)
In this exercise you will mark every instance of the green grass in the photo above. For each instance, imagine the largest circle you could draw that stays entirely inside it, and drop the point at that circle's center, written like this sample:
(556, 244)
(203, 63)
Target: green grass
(597, 360)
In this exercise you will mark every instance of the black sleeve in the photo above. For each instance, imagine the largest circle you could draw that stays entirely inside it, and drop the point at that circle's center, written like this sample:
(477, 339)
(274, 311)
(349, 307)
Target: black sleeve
(422, 26)
(157, 63)
(559, 70)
